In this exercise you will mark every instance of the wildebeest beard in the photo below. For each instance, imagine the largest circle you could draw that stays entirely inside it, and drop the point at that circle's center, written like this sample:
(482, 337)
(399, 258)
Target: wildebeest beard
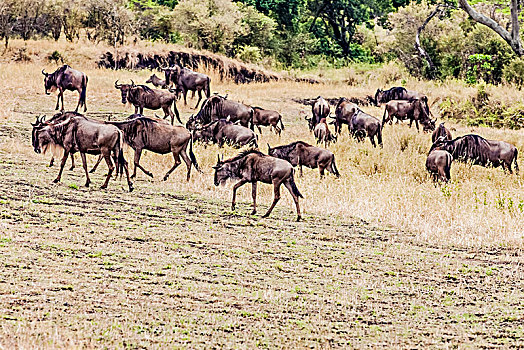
(212, 106)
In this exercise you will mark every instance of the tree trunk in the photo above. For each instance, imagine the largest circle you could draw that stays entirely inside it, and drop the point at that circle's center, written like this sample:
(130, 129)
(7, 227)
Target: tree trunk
(513, 38)
(423, 54)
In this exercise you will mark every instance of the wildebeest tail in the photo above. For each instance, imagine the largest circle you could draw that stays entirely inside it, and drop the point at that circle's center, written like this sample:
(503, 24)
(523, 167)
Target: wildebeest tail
(515, 155)
(208, 87)
(296, 192)
(251, 119)
(192, 155)
(384, 118)
(379, 136)
(121, 161)
(84, 92)
(280, 120)
(334, 166)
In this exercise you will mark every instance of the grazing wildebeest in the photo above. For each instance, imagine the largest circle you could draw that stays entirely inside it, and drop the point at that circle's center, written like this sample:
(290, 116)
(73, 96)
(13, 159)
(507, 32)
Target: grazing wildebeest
(266, 117)
(143, 133)
(219, 107)
(142, 96)
(320, 109)
(343, 114)
(224, 131)
(66, 78)
(79, 134)
(41, 122)
(363, 124)
(322, 133)
(441, 131)
(253, 166)
(438, 165)
(157, 82)
(398, 93)
(479, 151)
(413, 110)
(187, 80)
(303, 154)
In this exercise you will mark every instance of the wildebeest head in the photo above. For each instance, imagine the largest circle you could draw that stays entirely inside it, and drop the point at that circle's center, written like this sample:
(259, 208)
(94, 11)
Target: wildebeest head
(49, 82)
(171, 73)
(124, 89)
(223, 171)
(41, 136)
(428, 124)
(378, 97)
(310, 123)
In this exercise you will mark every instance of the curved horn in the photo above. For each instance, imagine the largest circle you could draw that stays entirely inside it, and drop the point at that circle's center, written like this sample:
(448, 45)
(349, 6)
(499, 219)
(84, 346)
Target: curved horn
(44, 73)
(118, 86)
(132, 82)
(43, 118)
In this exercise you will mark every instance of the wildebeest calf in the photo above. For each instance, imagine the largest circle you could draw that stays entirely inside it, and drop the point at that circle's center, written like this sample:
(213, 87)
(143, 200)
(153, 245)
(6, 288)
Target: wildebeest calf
(253, 166)
(438, 164)
(322, 133)
(157, 82)
(363, 124)
(441, 131)
(223, 131)
(303, 154)
(266, 117)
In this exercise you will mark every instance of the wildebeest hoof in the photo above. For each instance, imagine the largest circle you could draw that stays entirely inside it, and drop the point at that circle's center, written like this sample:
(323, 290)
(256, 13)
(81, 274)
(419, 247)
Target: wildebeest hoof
(166, 177)
(132, 176)
(87, 184)
(253, 212)
(131, 188)
(72, 168)
(299, 218)
(265, 215)
(103, 187)
(151, 175)
(56, 181)
(91, 171)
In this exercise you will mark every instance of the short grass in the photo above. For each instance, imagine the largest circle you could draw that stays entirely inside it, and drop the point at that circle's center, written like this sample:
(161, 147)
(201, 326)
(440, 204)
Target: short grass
(383, 258)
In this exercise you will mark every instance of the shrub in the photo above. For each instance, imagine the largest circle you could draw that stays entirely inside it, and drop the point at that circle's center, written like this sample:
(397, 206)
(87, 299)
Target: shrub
(514, 72)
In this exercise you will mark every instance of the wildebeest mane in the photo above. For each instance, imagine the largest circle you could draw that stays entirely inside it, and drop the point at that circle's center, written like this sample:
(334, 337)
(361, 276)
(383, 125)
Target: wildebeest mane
(468, 147)
(243, 154)
(394, 93)
(285, 150)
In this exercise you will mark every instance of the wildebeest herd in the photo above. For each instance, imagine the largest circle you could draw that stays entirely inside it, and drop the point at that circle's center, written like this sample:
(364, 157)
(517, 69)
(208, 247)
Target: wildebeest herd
(223, 121)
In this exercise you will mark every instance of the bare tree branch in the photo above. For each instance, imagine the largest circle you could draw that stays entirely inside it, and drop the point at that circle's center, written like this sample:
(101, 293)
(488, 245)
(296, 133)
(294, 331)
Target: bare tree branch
(512, 38)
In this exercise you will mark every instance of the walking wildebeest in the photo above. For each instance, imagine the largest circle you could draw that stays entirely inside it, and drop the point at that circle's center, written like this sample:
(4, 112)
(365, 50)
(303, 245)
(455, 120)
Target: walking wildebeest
(157, 82)
(322, 133)
(303, 154)
(320, 109)
(441, 131)
(223, 131)
(142, 96)
(438, 165)
(343, 114)
(413, 110)
(266, 117)
(253, 166)
(41, 122)
(66, 78)
(187, 80)
(79, 134)
(480, 151)
(363, 124)
(143, 133)
(218, 107)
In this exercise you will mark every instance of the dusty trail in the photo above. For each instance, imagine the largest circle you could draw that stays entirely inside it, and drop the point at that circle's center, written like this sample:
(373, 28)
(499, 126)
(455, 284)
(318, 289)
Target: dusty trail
(154, 268)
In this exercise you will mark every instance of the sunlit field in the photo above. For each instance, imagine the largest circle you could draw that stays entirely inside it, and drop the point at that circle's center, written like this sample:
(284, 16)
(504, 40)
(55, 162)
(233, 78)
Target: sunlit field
(382, 242)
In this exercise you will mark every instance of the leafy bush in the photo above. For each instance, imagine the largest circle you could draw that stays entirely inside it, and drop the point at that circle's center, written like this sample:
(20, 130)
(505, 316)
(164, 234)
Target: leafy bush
(514, 72)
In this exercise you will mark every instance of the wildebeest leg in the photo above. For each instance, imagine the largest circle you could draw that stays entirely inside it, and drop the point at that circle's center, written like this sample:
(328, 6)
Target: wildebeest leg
(184, 92)
(416, 124)
(372, 139)
(295, 198)
(52, 161)
(72, 162)
(237, 185)
(176, 113)
(199, 97)
(96, 164)
(259, 129)
(276, 186)
(321, 168)
(138, 154)
(107, 157)
(58, 99)
(62, 164)
(186, 160)
(177, 163)
(254, 194)
(79, 99)
(84, 164)
(300, 170)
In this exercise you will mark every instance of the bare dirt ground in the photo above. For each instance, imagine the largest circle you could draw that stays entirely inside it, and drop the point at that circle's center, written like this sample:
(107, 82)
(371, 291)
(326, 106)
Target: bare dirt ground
(170, 265)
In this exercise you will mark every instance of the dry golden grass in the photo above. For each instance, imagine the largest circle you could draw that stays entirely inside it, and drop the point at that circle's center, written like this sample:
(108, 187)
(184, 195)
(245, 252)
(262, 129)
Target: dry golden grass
(389, 186)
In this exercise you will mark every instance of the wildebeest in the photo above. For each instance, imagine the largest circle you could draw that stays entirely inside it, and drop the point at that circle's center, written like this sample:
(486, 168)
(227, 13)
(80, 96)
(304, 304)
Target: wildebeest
(253, 166)
(142, 96)
(79, 134)
(343, 114)
(363, 124)
(66, 78)
(266, 117)
(441, 131)
(438, 165)
(413, 110)
(301, 154)
(398, 93)
(187, 80)
(219, 107)
(143, 133)
(157, 82)
(224, 131)
(320, 109)
(479, 151)
(322, 133)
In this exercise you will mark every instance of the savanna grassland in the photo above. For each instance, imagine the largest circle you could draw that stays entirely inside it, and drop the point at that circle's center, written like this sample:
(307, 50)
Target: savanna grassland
(383, 257)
